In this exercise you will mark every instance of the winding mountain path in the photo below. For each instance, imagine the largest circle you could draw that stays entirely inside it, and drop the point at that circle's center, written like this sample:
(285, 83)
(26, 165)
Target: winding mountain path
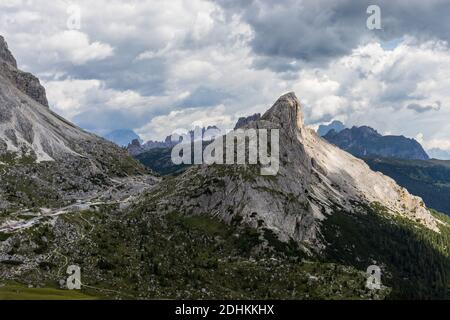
(122, 192)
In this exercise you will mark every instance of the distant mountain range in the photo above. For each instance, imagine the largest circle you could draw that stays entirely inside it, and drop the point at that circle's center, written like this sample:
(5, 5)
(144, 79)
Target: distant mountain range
(136, 147)
(351, 142)
(325, 128)
(367, 142)
(155, 155)
(400, 158)
(122, 137)
(440, 154)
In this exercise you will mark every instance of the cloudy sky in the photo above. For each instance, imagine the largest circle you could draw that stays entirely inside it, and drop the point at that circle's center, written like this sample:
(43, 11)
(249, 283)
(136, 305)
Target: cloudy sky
(155, 65)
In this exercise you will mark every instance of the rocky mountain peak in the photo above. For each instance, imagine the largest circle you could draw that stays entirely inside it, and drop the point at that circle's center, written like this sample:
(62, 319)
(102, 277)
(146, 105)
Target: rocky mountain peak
(287, 112)
(315, 180)
(6, 55)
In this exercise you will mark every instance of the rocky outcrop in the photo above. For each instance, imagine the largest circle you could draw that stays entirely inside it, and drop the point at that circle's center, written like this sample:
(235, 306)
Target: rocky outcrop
(27, 126)
(135, 147)
(25, 82)
(6, 55)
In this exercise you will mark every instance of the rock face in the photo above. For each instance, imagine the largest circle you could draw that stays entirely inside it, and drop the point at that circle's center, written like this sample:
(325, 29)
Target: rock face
(25, 82)
(27, 126)
(367, 142)
(136, 148)
(315, 179)
(5, 55)
(43, 156)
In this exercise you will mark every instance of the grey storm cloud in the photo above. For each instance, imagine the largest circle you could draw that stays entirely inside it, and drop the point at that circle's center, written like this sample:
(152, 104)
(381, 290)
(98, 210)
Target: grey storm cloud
(320, 30)
(147, 64)
(107, 120)
(424, 108)
(204, 97)
(123, 72)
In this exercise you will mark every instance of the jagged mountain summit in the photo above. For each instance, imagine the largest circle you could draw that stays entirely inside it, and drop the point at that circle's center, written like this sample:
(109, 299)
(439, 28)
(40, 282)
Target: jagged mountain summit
(136, 147)
(315, 180)
(43, 157)
(25, 82)
(367, 142)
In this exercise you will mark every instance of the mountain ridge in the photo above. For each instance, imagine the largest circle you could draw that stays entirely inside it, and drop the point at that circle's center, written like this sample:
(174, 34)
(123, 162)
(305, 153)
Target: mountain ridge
(45, 159)
(365, 141)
